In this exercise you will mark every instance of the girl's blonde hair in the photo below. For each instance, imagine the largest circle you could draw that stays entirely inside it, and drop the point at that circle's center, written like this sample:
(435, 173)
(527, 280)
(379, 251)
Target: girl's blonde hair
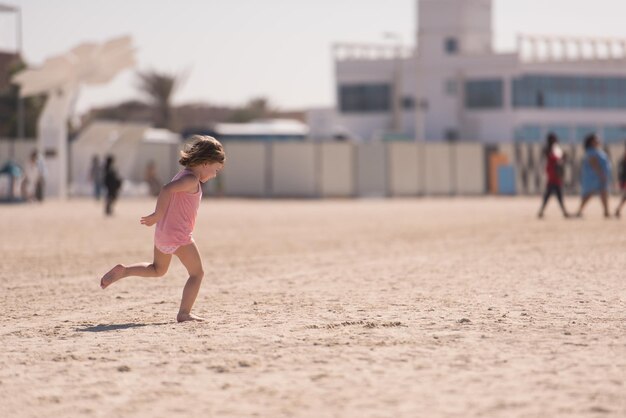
(202, 149)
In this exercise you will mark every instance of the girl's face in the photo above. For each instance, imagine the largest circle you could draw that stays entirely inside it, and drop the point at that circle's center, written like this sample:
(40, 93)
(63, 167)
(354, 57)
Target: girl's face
(209, 171)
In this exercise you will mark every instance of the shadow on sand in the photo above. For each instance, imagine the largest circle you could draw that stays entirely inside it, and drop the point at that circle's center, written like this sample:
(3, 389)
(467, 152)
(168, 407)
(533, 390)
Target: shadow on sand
(115, 327)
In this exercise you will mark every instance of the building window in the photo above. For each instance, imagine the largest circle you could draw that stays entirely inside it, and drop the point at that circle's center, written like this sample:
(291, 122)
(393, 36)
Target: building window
(365, 98)
(528, 133)
(451, 46)
(563, 132)
(569, 92)
(450, 87)
(611, 134)
(614, 134)
(451, 134)
(484, 94)
(408, 103)
(583, 130)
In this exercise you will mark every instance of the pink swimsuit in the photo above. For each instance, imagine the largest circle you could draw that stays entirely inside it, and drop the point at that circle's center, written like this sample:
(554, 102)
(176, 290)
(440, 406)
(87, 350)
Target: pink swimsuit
(175, 228)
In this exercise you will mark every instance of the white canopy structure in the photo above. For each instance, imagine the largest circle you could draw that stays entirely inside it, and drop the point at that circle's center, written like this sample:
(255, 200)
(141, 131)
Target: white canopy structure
(268, 129)
(60, 78)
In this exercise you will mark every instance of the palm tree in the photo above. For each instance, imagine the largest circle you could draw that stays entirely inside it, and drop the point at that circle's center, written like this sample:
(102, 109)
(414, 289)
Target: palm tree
(257, 108)
(159, 88)
(9, 96)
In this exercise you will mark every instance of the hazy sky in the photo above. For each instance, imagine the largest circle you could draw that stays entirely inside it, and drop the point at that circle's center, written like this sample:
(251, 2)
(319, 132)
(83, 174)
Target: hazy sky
(233, 50)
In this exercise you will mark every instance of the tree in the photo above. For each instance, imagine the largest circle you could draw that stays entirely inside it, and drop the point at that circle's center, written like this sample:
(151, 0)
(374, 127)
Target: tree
(257, 108)
(160, 89)
(9, 97)
(130, 110)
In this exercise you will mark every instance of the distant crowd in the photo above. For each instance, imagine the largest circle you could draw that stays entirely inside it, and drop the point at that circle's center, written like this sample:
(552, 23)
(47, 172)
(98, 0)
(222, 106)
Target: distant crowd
(27, 182)
(596, 177)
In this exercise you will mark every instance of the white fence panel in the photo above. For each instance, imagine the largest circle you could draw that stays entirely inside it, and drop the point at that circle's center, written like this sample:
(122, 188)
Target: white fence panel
(337, 169)
(469, 168)
(537, 179)
(371, 169)
(246, 169)
(616, 153)
(437, 158)
(294, 169)
(404, 172)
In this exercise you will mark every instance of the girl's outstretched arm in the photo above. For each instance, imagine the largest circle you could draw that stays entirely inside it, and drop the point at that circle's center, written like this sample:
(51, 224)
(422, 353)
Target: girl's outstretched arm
(188, 183)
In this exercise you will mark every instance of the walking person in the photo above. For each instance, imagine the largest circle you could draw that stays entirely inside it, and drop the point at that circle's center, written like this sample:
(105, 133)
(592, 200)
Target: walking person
(621, 178)
(554, 172)
(95, 176)
(34, 178)
(175, 217)
(595, 175)
(150, 177)
(112, 183)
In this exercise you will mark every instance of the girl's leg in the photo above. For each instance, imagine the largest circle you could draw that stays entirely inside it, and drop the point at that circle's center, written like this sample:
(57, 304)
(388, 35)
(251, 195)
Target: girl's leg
(604, 196)
(190, 257)
(546, 196)
(583, 202)
(107, 205)
(157, 268)
(619, 207)
(559, 196)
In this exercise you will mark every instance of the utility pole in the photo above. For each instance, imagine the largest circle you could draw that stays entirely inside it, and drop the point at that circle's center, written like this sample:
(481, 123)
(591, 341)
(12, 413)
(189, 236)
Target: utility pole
(396, 106)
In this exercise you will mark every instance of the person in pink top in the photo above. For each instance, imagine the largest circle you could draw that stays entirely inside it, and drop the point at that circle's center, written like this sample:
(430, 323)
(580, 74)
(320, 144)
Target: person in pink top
(175, 217)
(554, 172)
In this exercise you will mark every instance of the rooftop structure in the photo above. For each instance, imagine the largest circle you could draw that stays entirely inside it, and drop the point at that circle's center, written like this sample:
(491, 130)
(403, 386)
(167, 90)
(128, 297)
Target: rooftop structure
(455, 86)
(261, 130)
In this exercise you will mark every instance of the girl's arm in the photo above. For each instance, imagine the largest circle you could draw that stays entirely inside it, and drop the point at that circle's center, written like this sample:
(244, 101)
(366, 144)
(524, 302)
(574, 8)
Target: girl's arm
(187, 184)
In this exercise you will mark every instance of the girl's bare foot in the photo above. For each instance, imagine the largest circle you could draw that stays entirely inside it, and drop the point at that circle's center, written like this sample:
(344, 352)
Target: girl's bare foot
(182, 317)
(112, 276)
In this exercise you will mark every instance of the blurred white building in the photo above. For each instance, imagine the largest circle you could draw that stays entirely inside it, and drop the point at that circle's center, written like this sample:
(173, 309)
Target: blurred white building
(455, 86)
(261, 130)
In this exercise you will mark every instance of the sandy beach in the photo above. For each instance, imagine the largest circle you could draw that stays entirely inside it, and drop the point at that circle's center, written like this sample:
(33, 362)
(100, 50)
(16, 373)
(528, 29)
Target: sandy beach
(352, 308)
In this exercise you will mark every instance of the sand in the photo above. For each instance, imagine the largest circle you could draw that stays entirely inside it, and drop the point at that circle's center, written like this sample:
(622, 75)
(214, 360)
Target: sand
(355, 308)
